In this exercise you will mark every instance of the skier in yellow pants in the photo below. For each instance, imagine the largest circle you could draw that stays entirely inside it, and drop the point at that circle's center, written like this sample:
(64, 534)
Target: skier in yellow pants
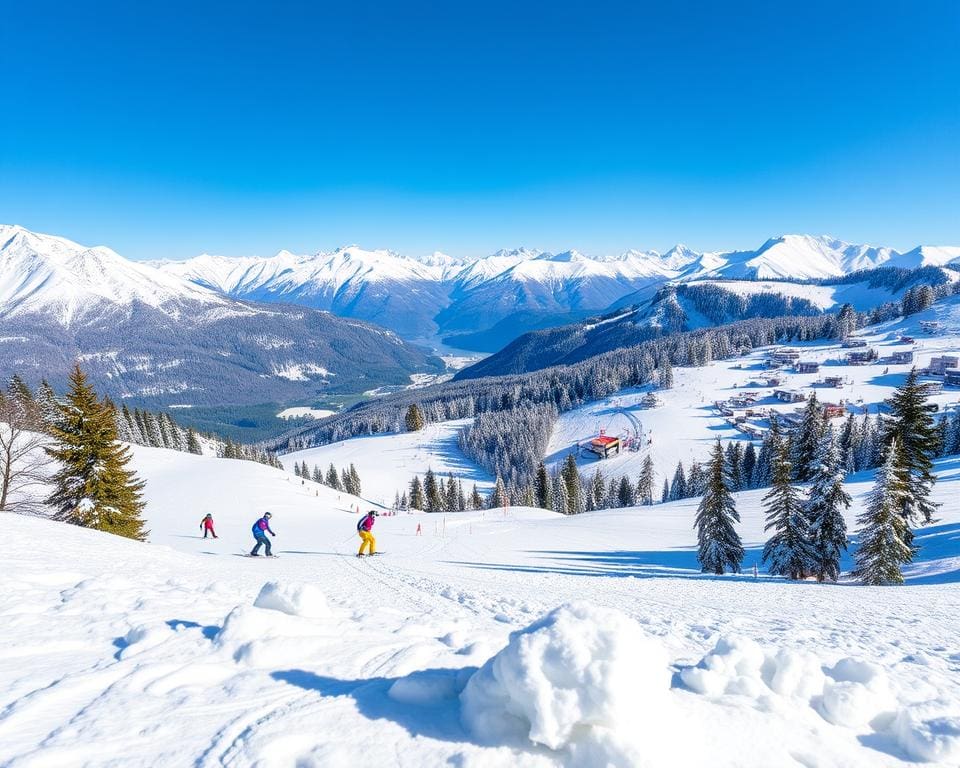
(367, 541)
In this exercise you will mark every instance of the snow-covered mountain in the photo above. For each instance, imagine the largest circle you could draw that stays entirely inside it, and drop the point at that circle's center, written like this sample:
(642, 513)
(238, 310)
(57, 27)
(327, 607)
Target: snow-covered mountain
(67, 281)
(498, 297)
(148, 334)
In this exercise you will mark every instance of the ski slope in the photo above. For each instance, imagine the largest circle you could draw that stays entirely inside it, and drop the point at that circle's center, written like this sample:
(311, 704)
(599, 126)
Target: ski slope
(173, 653)
(387, 463)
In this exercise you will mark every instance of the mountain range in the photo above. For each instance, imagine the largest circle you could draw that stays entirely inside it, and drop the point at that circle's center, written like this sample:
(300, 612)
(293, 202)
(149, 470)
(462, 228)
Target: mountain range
(147, 335)
(292, 327)
(484, 303)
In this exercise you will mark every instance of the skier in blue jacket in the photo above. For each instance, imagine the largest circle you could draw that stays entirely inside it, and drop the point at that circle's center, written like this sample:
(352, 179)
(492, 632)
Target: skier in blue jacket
(260, 530)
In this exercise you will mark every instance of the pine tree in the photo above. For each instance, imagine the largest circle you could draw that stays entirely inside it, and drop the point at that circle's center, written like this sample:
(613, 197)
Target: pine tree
(499, 498)
(678, 488)
(417, 498)
(561, 503)
(885, 539)
(49, 408)
(345, 481)
(697, 481)
(718, 543)
(355, 487)
(450, 495)
(734, 456)
(625, 492)
(748, 464)
(193, 443)
(431, 491)
(542, 486)
(333, 479)
(846, 321)
(808, 440)
(317, 475)
(598, 491)
(414, 420)
(789, 549)
(913, 425)
(476, 500)
(665, 373)
(824, 509)
(645, 482)
(462, 499)
(93, 487)
(571, 476)
(665, 496)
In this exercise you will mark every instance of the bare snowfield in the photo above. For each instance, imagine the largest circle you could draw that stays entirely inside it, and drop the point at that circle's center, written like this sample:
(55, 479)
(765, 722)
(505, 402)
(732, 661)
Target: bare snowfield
(182, 652)
(387, 463)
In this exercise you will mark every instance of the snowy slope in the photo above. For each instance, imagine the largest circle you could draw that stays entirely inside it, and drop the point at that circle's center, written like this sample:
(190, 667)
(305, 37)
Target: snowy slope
(685, 426)
(387, 463)
(129, 654)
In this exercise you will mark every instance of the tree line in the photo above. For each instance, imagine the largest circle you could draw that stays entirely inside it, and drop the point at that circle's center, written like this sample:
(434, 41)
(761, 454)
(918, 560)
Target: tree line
(807, 530)
(347, 480)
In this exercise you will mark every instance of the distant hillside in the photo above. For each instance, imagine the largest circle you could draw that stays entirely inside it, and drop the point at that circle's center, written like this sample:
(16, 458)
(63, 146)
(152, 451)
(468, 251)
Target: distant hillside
(686, 306)
(152, 338)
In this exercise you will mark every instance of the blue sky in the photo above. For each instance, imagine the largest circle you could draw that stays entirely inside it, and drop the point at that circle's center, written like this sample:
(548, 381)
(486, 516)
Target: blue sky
(167, 129)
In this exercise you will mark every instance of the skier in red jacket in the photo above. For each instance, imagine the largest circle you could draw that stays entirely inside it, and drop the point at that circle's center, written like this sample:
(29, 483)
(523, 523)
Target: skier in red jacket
(207, 526)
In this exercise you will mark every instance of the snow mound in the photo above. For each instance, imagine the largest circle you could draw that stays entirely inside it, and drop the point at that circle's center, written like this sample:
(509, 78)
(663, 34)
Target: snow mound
(581, 677)
(738, 665)
(930, 733)
(295, 599)
(855, 692)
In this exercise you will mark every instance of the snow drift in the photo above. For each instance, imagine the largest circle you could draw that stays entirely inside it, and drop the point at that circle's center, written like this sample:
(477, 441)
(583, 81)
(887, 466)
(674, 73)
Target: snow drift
(293, 598)
(577, 678)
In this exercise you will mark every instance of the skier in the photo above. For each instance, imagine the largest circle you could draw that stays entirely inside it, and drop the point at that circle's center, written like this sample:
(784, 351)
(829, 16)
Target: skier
(207, 526)
(260, 530)
(367, 541)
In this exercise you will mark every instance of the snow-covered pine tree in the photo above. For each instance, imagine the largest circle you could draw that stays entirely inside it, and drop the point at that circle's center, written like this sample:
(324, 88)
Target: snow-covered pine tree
(665, 495)
(824, 509)
(696, 480)
(885, 541)
(93, 487)
(431, 492)
(355, 488)
(678, 488)
(747, 465)
(450, 495)
(718, 543)
(807, 440)
(414, 420)
(625, 492)
(193, 442)
(734, 454)
(476, 500)
(317, 475)
(913, 425)
(789, 550)
(499, 498)
(665, 373)
(575, 495)
(645, 482)
(544, 492)
(333, 479)
(561, 501)
(417, 498)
